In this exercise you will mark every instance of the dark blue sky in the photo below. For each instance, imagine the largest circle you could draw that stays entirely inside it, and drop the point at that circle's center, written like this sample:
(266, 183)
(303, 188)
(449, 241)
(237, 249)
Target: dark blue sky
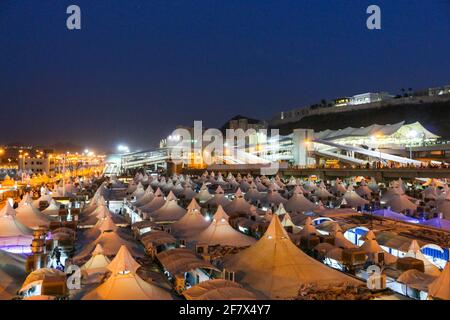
(138, 68)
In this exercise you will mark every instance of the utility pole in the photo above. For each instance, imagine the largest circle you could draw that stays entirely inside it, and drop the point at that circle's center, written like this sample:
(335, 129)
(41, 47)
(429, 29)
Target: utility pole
(64, 175)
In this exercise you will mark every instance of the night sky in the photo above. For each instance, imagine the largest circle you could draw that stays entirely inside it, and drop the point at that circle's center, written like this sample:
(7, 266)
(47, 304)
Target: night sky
(139, 68)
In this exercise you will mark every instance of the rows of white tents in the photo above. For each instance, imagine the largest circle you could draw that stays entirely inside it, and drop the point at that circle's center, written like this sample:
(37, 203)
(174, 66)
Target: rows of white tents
(271, 267)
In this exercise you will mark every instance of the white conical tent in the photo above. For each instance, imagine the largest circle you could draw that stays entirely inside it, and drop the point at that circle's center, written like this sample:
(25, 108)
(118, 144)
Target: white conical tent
(188, 193)
(322, 192)
(111, 243)
(97, 263)
(52, 209)
(280, 210)
(191, 224)
(414, 252)
(275, 268)
(31, 217)
(308, 229)
(338, 187)
(364, 190)
(297, 203)
(353, 199)
(204, 194)
(157, 202)
(12, 274)
(372, 248)
(219, 232)
(125, 284)
(169, 212)
(12, 231)
(139, 192)
(253, 195)
(45, 197)
(340, 241)
(218, 289)
(443, 206)
(370, 245)
(273, 197)
(287, 222)
(440, 288)
(373, 185)
(238, 205)
(218, 199)
(401, 202)
(26, 199)
(103, 224)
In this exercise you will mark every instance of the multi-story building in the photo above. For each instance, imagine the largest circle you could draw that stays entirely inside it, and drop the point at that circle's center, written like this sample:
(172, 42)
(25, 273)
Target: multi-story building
(37, 164)
(369, 97)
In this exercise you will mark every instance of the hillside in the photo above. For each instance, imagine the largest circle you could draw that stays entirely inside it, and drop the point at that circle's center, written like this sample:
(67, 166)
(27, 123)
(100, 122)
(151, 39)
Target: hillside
(433, 116)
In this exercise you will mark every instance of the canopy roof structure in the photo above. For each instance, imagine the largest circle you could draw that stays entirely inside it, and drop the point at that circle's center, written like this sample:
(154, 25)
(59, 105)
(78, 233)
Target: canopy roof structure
(273, 197)
(415, 279)
(375, 129)
(389, 214)
(31, 217)
(204, 194)
(218, 289)
(157, 238)
(297, 203)
(12, 274)
(440, 288)
(275, 268)
(218, 198)
(238, 205)
(353, 199)
(157, 202)
(169, 212)
(180, 260)
(45, 197)
(401, 202)
(12, 231)
(111, 243)
(438, 223)
(219, 232)
(146, 197)
(52, 209)
(125, 284)
(192, 223)
(364, 190)
(443, 206)
(414, 252)
(97, 263)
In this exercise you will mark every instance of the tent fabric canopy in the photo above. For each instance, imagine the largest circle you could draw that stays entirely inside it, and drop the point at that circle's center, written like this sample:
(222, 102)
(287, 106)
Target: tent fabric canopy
(281, 264)
(180, 260)
(218, 289)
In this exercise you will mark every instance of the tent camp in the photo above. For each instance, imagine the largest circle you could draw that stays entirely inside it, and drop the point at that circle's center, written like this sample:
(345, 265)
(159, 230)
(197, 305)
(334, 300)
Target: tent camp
(353, 199)
(169, 212)
(297, 203)
(218, 199)
(12, 232)
(238, 205)
(192, 223)
(219, 232)
(31, 217)
(218, 289)
(440, 288)
(12, 274)
(125, 284)
(111, 243)
(282, 266)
